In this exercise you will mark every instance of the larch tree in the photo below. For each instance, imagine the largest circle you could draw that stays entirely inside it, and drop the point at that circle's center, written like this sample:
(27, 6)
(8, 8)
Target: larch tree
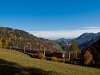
(87, 57)
(74, 49)
(7, 43)
(0, 44)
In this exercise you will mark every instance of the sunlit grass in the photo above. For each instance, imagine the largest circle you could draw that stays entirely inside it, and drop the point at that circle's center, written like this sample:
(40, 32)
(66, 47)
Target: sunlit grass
(60, 68)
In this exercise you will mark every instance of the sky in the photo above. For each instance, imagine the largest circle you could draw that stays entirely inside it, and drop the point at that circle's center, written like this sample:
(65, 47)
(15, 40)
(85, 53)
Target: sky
(51, 19)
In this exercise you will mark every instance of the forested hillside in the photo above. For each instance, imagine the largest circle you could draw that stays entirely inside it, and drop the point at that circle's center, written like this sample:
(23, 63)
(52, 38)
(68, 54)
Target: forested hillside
(21, 39)
(95, 50)
(84, 38)
(88, 43)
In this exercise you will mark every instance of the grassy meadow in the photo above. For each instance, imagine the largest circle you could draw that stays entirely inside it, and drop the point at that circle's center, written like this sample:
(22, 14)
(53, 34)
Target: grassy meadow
(17, 63)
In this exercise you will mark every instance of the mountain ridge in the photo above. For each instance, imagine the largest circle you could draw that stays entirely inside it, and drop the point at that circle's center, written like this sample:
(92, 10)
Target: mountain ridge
(22, 39)
(83, 41)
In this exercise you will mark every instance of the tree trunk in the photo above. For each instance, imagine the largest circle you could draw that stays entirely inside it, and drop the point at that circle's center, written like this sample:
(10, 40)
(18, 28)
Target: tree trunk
(69, 55)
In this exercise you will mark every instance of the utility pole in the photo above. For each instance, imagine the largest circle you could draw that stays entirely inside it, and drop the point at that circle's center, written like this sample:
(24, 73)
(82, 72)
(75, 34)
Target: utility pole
(69, 51)
(44, 52)
(24, 49)
(10, 47)
(76, 53)
(69, 55)
(24, 45)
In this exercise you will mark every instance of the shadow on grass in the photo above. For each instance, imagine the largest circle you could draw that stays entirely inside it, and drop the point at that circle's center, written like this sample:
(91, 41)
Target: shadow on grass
(9, 68)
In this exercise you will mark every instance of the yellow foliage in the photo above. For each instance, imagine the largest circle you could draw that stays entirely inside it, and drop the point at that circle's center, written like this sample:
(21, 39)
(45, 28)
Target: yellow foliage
(54, 58)
(0, 44)
(7, 42)
(87, 57)
(41, 56)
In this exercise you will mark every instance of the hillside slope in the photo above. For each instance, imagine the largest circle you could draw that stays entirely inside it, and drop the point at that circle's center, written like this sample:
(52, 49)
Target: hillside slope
(89, 43)
(95, 50)
(22, 39)
(17, 63)
(84, 38)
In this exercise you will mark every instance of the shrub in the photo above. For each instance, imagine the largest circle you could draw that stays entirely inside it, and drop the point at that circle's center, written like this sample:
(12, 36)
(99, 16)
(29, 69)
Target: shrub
(54, 58)
(61, 60)
(87, 57)
(34, 55)
(41, 56)
(67, 60)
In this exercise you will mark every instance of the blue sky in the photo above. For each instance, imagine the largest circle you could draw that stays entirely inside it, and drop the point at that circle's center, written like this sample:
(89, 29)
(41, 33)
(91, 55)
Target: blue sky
(51, 19)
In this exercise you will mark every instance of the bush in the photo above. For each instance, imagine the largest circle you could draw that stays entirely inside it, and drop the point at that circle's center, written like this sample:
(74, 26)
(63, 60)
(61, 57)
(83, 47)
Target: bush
(87, 57)
(67, 60)
(41, 56)
(54, 58)
(61, 60)
(34, 55)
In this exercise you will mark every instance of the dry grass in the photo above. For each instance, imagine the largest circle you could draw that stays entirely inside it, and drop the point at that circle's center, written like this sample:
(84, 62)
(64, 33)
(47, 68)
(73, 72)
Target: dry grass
(47, 67)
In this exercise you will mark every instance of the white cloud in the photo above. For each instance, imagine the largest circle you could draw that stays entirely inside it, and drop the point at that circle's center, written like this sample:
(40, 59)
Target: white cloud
(65, 33)
(93, 27)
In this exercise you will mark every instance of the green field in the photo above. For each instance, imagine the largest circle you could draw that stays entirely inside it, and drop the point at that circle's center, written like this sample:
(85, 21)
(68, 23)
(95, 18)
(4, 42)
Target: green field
(16, 63)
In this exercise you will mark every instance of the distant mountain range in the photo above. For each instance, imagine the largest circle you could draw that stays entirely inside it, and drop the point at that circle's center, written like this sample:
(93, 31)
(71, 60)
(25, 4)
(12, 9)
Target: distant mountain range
(84, 40)
(85, 45)
(21, 39)
(85, 37)
(63, 39)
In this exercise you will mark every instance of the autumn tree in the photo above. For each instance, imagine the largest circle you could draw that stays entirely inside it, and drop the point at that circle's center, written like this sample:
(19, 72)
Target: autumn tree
(87, 57)
(74, 49)
(7, 43)
(22, 39)
(67, 53)
(0, 44)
